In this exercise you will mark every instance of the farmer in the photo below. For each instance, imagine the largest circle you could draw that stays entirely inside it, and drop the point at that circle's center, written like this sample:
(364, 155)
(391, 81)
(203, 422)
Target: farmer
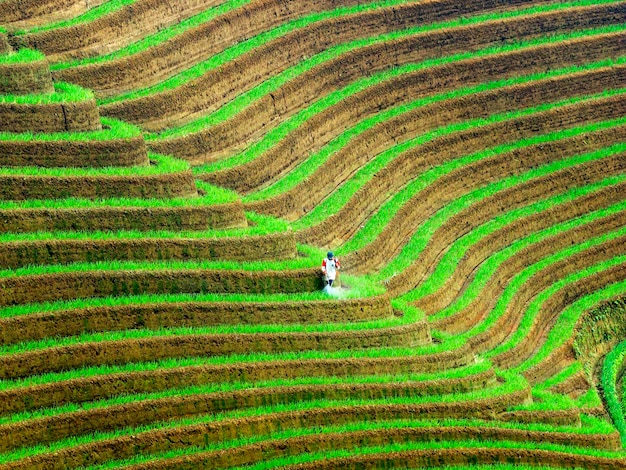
(330, 266)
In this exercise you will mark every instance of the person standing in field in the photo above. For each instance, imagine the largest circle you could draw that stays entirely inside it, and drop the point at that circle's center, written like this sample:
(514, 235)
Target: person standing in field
(330, 266)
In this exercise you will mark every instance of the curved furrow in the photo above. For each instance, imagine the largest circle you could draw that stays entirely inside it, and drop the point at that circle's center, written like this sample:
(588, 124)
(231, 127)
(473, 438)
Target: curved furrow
(498, 202)
(107, 28)
(407, 138)
(420, 201)
(329, 71)
(283, 36)
(522, 241)
(287, 145)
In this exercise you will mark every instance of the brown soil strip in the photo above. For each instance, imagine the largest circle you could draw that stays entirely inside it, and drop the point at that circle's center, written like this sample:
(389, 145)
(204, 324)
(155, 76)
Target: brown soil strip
(567, 353)
(87, 154)
(479, 213)
(343, 164)
(28, 13)
(219, 86)
(468, 317)
(264, 247)
(554, 417)
(113, 31)
(83, 389)
(189, 314)
(342, 225)
(61, 358)
(164, 60)
(124, 218)
(270, 449)
(510, 320)
(160, 440)
(233, 135)
(450, 457)
(551, 309)
(471, 315)
(465, 270)
(573, 386)
(138, 413)
(84, 284)
(61, 117)
(24, 78)
(157, 186)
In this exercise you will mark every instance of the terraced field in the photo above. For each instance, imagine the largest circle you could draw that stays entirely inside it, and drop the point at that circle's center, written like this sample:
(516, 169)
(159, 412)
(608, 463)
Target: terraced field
(172, 174)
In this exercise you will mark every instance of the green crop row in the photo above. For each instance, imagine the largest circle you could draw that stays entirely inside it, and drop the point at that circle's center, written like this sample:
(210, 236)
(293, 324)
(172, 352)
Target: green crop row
(64, 93)
(112, 130)
(534, 308)
(212, 195)
(303, 262)
(372, 228)
(611, 368)
(489, 266)
(317, 159)
(221, 387)
(564, 327)
(432, 446)
(510, 385)
(346, 428)
(236, 105)
(289, 74)
(418, 242)
(93, 14)
(212, 13)
(522, 277)
(408, 318)
(260, 225)
(457, 250)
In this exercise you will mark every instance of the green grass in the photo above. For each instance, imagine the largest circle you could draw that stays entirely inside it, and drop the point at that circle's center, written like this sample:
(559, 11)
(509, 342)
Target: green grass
(238, 104)
(534, 309)
(64, 93)
(611, 369)
(358, 287)
(432, 446)
(93, 14)
(511, 385)
(210, 14)
(307, 260)
(109, 336)
(221, 387)
(21, 56)
(491, 264)
(522, 277)
(445, 345)
(564, 327)
(375, 225)
(316, 160)
(412, 250)
(335, 51)
(459, 248)
(113, 130)
(213, 195)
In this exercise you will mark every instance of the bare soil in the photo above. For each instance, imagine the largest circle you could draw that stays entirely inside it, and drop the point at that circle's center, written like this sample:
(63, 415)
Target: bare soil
(266, 247)
(189, 314)
(157, 186)
(86, 153)
(24, 78)
(229, 215)
(62, 117)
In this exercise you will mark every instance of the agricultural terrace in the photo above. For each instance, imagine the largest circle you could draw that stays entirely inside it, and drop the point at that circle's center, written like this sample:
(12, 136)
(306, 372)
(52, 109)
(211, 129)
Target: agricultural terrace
(172, 174)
